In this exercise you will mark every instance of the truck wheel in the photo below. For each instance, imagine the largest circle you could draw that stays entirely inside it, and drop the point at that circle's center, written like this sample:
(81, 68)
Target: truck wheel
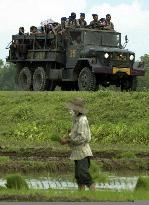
(87, 80)
(51, 85)
(134, 83)
(129, 84)
(25, 79)
(17, 72)
(40, 80)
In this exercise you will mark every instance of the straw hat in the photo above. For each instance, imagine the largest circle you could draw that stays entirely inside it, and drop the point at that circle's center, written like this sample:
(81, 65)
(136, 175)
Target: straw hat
(77, 104)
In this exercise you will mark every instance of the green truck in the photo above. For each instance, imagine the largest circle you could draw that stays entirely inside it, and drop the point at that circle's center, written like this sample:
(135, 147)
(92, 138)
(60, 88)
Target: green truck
(79, 59)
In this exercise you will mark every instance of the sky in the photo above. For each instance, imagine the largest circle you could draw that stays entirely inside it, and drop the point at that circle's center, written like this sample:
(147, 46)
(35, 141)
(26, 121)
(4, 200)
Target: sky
(129, 17)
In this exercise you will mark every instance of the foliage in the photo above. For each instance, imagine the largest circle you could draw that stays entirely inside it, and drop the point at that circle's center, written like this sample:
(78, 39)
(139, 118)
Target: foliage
(4, 159)
(145, 59)
(38, 119)
(127, 155)
(72, 195)
(7, 76)
(97, 174)
(142, 183)
(16, 181)
(143, 81)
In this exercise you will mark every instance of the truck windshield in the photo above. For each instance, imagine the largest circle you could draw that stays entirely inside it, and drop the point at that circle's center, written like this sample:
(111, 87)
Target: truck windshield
(111, 39)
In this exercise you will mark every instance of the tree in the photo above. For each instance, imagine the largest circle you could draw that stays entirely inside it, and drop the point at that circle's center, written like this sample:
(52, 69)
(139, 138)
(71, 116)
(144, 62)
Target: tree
(145, 59)
(1, 63)
(7, 76)
(143, 82)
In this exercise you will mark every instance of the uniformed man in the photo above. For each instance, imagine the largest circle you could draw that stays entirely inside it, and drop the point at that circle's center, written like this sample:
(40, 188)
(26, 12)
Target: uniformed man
(110, 25)
(102, 23)
(33, 29)
(72, 21)
(95, 23)
(82, 21)
(60, 29)
(21, 31)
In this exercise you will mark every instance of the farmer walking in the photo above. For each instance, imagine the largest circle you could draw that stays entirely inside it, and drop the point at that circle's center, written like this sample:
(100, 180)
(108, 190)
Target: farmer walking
(78, 140)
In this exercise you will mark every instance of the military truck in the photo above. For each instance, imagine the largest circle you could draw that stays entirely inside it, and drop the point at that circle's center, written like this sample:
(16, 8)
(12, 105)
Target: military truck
(79, 59)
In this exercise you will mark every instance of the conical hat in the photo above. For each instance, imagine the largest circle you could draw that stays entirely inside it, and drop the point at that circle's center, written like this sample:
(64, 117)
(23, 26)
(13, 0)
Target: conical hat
(77, 104)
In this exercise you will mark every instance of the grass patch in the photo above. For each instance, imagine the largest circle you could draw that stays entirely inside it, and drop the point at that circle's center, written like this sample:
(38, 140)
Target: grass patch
(36, 119)
(97, 174)
(71, 195)
(4, 159)
(142, 183)
(16, 181)
(127, 155)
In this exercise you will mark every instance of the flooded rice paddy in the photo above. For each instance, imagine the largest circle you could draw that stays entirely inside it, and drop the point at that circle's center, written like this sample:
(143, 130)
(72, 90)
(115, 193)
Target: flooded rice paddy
(114, 183)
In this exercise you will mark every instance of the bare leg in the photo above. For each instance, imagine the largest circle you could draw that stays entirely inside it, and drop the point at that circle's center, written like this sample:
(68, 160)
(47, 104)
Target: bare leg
(92, 187)
(81, 187)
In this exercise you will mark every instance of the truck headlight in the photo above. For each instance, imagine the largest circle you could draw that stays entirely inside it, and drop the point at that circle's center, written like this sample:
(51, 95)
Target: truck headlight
(106, 55)
(131, 57)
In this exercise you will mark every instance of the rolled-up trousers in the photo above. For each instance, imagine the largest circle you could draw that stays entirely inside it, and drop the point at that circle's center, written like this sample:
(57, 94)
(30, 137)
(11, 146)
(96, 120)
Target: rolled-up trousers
(82, 174)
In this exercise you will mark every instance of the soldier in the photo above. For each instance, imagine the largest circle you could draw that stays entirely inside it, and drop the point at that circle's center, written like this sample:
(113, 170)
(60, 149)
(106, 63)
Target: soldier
(78, 140)
(110, 25)
(61, 27)
(82, 21)
(95, 23)
(40, 29)
(33, 30)
(102, 23)
(21, 31)
(72, 21)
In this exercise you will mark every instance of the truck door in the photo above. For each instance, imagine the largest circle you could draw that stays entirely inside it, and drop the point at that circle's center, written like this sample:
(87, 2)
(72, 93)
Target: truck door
(73, 49)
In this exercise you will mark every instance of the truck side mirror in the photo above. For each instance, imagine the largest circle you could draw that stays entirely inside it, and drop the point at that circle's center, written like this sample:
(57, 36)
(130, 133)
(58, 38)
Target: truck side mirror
(126, 39)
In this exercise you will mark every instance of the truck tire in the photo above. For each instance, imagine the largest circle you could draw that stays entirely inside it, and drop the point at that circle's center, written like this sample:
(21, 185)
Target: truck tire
(51, 85)
(134, 83)
(129, 84)
(40, 80)
(25, 79)
(87, 80)
(17, 72)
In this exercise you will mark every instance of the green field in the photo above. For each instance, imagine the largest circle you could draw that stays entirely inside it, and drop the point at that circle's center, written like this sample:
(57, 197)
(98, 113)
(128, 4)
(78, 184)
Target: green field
(32, 122)
(71, 195)
(38, 119)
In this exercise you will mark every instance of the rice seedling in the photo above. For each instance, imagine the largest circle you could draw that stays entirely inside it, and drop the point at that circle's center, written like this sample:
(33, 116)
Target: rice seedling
(142, 183)
(16, 181)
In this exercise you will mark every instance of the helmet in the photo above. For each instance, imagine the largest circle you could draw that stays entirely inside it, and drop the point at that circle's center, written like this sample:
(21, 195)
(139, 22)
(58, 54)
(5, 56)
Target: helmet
(73, 15)
(82, 14)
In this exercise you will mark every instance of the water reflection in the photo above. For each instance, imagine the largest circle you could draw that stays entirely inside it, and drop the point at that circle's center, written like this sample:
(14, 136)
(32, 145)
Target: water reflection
(115, 183)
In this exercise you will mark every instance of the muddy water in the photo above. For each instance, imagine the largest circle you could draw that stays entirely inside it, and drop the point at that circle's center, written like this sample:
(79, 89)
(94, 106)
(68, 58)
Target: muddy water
(114, 183)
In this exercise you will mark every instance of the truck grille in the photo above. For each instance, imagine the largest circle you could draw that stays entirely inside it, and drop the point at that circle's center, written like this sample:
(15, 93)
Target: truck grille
(120, 56)
(120, 59)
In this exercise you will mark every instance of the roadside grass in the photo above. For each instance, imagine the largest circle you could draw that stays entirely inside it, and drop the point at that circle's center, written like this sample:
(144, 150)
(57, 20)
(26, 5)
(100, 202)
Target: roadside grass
(71, 195)
(38, 119)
